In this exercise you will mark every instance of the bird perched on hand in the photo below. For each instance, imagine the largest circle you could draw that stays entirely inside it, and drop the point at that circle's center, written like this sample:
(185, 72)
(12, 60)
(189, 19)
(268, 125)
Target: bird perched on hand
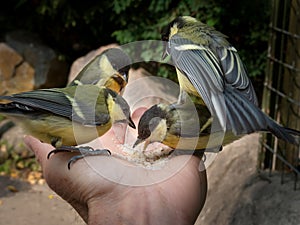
(67, 116)
(109, 69)
(186, 127)
(208, 66)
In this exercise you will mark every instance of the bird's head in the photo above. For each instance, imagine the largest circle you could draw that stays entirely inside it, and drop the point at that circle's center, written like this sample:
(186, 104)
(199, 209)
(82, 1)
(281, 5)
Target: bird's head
(173, 28)
(116, 64)
(153, 126)
(109, 69)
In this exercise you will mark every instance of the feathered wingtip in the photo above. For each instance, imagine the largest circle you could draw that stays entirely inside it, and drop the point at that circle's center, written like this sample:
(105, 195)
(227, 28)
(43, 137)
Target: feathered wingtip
(296, 134)
(288, 134)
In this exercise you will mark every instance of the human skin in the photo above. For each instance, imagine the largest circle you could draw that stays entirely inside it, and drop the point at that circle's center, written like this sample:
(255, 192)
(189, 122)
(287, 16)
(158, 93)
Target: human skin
(99, 188)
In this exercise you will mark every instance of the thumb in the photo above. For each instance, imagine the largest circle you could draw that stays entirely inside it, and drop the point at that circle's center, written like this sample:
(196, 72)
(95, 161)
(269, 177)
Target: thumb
(40, 149)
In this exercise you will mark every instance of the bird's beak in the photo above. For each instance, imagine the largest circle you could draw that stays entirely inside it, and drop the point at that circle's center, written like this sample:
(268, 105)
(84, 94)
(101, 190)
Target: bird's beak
(137, 142)
(131, 123)
(124, 75)
(165, 53)
(121, 77)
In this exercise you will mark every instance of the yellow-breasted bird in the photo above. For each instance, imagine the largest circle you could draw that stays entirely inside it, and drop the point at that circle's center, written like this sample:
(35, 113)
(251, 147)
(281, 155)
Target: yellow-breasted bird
(109, 69)
(68, 116)
(188, 128)
(209, 66)
(180, 126)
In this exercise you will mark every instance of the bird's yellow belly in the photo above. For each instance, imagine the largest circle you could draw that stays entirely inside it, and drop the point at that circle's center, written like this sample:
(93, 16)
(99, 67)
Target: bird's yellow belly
(63, 131)
(188, 87)
(211, 141)
(185, 84)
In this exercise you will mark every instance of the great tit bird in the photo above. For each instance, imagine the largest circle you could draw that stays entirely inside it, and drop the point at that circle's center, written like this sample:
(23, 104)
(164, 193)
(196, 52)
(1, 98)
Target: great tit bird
(209, 66)
(181, 128)
(109, 69)
(67, 116)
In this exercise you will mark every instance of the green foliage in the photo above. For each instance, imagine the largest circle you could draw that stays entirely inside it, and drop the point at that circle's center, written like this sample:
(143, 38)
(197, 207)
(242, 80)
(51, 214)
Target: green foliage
(1, 118)
(75, 27)
(245, 22)
(13, 162)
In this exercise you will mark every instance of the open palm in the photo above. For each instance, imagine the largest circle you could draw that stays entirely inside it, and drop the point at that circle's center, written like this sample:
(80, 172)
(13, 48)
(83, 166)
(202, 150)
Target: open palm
(109, 190)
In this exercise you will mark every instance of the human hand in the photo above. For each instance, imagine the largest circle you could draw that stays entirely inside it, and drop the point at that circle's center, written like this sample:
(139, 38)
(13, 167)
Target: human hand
(109, 190)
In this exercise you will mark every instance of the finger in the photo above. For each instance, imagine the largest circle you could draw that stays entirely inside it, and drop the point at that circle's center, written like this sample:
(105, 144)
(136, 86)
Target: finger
(40, 149)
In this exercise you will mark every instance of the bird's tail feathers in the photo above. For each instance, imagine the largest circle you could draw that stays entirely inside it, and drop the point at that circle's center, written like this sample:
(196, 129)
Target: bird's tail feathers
(284, 133)
(244, 117)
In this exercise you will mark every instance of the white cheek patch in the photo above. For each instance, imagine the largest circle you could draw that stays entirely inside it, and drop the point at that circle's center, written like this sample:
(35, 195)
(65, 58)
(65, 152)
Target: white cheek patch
(173, 30)
(159, 132)
(105, 65)
(117, 113)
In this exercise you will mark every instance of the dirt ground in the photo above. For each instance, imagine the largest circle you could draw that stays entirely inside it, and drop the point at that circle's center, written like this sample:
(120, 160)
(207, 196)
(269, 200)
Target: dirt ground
(238, 194)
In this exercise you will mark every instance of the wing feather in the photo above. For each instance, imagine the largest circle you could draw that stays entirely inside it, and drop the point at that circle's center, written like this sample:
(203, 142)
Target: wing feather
(50, 101)
(201, 67)
(211, 72)
(235, 72)
(54, 101)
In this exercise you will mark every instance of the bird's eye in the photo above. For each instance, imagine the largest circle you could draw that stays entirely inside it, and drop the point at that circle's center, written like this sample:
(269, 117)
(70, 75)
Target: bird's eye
(165, 38)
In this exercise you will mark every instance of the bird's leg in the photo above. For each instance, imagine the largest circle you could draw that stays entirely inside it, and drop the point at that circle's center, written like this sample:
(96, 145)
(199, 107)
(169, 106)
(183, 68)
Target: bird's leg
(182, 97)
(180, 101)
(88, 153)
(206, 125)
(84, 150)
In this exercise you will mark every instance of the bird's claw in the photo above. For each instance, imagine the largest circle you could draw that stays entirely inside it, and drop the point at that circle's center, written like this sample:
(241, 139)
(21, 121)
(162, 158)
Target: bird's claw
(70, 149)
(84, 150)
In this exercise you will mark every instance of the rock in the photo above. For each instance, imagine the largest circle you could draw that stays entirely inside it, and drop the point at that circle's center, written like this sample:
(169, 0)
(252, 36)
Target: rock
(227, 175)
(3, 153)
(79, 63)
(8, 61)
(16, 75)
(138, 94)
(49, 70)
(14, 139)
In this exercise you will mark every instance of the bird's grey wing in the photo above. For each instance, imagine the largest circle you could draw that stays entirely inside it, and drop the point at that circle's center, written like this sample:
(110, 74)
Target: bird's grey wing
(56, 102)
(211, 74)
(44, 100)
(201, 66)
(235, 72)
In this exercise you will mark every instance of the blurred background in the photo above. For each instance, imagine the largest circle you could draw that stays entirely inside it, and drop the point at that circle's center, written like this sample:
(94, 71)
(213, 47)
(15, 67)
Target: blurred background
(73, 28)
(41, 39)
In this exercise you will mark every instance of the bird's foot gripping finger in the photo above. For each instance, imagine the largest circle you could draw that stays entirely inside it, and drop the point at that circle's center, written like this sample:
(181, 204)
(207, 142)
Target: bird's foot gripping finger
(88, 152)
(70, 149)
(84, 150)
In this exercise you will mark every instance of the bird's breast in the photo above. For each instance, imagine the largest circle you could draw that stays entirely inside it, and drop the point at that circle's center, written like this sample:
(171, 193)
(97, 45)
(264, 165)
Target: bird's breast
(67, 132)
(185, 84)
(209, 141)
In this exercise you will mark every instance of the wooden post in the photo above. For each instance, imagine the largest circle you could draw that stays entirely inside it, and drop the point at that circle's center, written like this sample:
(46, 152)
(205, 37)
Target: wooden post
(289, 110)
